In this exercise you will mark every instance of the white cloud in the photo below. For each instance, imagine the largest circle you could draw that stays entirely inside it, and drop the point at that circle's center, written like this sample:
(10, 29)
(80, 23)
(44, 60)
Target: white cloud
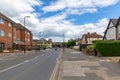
(104, 3)
(78, 6)
(77, 11)
(53, 19)
(98, 27)
(54, 7)
(57, 25)
(54, 26)
(16, 7)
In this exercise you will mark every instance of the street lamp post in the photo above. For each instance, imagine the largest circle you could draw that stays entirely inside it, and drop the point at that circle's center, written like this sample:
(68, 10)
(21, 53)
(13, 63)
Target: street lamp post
(25, 34)
(63, 42)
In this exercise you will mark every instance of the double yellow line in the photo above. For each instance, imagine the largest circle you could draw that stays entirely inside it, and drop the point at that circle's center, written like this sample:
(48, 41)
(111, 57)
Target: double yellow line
(57, 68)
(53, 75)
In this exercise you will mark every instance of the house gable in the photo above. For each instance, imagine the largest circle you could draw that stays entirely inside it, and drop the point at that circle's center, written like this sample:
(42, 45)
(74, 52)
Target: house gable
(110, 32)
(111, 24)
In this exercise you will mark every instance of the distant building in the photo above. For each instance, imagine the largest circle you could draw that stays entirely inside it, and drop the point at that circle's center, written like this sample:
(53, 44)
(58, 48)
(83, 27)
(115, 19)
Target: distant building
(112, 31)
(88, 38)
(35, 44)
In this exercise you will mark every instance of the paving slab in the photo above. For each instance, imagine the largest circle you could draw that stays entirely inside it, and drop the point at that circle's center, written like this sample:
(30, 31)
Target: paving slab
(89, 76)
(79, 66)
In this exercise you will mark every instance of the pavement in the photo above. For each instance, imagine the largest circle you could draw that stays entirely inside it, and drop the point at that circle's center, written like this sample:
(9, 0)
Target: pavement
(16, 53)
(76, 65)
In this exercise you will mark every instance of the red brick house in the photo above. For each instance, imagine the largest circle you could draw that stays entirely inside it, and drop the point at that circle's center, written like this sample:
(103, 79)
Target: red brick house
(6, 28)
(22, 36)
(13, 35)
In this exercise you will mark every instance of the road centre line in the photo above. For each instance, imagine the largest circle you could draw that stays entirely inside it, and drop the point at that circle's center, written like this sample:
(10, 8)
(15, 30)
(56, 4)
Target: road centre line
(14, 66)
(4, 70)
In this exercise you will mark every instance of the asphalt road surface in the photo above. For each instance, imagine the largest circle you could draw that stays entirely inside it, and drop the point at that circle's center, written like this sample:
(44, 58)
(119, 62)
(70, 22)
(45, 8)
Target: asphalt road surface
(32, 66)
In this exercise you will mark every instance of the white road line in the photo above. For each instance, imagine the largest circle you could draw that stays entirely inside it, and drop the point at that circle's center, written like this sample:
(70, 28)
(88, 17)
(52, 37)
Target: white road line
(20, 64)
(14, 66)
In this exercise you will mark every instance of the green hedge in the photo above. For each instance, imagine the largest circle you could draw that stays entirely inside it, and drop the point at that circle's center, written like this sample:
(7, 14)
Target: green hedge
(95, 41)
(91, 48)
(108, 48)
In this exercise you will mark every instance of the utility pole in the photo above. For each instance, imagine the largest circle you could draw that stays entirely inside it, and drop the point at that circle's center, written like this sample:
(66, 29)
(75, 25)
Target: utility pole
(39, 39)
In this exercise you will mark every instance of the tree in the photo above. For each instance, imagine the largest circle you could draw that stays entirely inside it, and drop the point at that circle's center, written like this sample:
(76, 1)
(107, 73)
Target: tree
(50, 40)
(64, 44)
(70, 43)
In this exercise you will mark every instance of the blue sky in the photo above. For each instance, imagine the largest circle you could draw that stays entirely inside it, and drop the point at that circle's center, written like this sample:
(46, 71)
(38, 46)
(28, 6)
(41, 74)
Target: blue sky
(56, 17)
(111, 11)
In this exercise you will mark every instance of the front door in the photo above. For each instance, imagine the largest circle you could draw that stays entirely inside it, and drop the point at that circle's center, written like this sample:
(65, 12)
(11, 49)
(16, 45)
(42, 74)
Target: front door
(1, 46)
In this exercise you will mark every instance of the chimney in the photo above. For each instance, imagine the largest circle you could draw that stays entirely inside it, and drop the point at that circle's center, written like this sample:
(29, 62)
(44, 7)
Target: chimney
(94, 33)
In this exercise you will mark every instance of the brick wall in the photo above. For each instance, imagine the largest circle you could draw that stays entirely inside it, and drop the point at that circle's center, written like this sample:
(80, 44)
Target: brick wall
(6, 39)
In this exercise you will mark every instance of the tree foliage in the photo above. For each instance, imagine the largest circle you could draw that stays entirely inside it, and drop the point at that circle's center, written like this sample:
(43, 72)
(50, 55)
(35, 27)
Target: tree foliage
(70, 43)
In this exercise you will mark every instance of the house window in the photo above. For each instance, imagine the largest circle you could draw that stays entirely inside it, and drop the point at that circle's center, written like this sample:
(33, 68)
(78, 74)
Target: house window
(28, 33)
(28, 40)
(9, 35)
(9, 24)
(1, 46)
(1, 33)
(1, 21)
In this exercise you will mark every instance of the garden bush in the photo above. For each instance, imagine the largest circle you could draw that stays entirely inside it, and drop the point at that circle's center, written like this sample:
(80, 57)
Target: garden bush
(108, 48)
